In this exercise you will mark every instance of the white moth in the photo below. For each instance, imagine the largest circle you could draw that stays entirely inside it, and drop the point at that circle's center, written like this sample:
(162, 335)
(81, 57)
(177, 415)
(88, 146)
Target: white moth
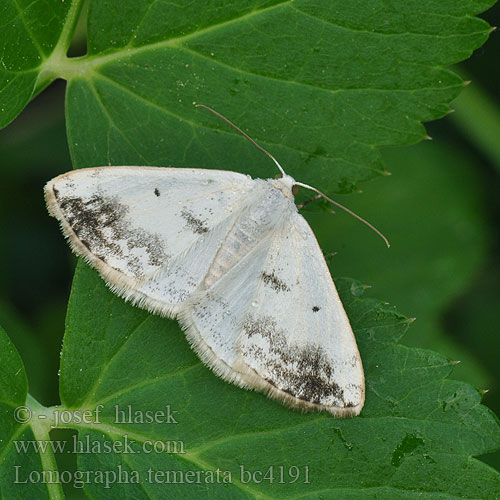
(232, 259)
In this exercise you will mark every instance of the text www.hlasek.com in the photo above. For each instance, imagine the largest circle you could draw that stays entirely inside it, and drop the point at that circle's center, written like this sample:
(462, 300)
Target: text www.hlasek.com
(87, 445)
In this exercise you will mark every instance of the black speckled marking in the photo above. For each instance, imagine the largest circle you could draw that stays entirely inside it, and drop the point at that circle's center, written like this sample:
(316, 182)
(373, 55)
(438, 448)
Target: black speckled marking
(265, 326)
(274, 282)
(101, 224)
(157, 192)
(196, 225)
(306, 372)
(315, 309)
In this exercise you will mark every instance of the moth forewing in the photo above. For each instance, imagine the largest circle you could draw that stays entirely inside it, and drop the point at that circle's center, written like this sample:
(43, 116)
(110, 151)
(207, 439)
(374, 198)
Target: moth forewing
(294, 342)
(132, 223)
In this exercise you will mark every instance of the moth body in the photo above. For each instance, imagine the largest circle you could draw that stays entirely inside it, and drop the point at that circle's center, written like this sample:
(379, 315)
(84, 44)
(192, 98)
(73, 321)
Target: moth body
(268, 205)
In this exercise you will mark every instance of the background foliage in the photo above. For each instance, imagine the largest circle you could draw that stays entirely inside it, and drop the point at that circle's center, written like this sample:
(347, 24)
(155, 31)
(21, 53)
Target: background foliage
(439, 208)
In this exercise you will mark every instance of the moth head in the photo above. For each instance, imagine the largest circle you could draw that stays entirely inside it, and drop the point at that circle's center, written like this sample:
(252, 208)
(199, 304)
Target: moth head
(287, 185)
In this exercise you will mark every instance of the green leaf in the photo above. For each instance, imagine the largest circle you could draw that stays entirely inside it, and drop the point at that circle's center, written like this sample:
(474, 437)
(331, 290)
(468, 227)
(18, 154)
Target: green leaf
(17, 410)
(417, 430)
(29, 346)
(13, 381)
(289, 72)
(321, 85)
(32, 32)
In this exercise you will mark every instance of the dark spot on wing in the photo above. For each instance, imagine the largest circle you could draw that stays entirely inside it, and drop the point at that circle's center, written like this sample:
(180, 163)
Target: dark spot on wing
(102, 226)
(304, 372)
(157, 192)
(316, 309)
(196, 225)
(274, 282)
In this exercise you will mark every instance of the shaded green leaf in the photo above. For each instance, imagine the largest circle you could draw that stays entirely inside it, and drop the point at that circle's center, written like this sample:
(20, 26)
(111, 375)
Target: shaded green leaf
(29, 346)
(16, 411)
(13, 382)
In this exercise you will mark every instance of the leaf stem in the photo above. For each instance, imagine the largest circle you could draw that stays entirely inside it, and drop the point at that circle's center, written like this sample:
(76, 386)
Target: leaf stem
(41, 429)
(52, 66)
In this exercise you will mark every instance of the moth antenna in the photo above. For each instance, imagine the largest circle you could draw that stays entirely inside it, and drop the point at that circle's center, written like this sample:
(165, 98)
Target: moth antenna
(245, 135)
(337, 204)
(350, 212)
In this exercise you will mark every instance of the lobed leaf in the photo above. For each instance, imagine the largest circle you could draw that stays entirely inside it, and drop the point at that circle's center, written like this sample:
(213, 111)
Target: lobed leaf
(418, 427)
(322, 85)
